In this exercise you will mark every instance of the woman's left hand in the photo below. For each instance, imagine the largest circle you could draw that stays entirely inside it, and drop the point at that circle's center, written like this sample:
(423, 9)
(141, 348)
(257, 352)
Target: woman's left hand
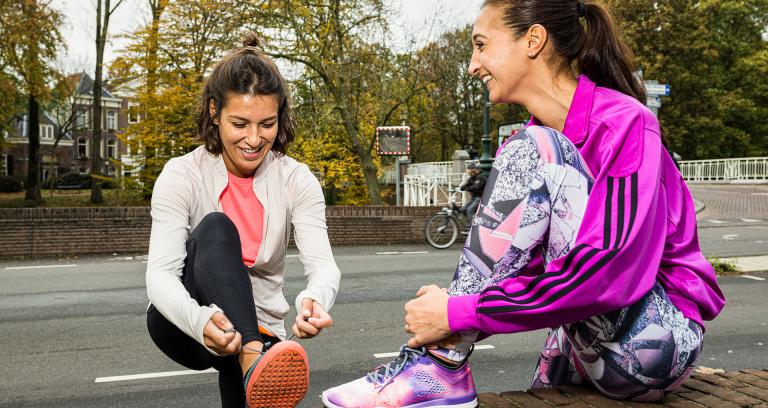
(312, 318)
(426, 317)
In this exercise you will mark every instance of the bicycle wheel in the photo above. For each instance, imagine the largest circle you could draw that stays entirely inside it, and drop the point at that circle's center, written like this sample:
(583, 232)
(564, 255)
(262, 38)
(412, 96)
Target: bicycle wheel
(441, 231)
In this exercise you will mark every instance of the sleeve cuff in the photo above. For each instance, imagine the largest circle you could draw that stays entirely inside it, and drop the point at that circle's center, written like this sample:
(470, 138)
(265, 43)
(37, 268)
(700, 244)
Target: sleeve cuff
(462, 313)
(317, 297)
(203, 317)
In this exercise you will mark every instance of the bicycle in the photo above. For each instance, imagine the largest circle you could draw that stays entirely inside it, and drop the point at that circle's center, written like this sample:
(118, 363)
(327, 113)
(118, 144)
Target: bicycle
(442, 228)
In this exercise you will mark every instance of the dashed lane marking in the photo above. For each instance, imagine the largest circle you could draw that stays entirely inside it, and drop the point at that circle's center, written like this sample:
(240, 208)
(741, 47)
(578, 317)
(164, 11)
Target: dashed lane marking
(730, 237)
(390, 355)
(757, 278)
(39, 267)
(152, 375)
(750, 220)
(716, 221)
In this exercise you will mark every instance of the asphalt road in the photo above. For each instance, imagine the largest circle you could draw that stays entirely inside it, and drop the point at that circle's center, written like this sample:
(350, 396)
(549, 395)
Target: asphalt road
(63, 327)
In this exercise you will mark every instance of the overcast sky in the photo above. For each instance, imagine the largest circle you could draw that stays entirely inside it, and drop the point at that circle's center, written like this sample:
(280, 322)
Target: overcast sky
(79, 27)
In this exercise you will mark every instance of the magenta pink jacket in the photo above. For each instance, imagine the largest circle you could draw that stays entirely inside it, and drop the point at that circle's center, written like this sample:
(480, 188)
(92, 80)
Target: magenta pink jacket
(639, 228)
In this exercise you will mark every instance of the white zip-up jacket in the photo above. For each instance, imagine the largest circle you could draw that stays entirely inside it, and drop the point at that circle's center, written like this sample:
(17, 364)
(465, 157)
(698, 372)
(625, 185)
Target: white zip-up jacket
(189, 188)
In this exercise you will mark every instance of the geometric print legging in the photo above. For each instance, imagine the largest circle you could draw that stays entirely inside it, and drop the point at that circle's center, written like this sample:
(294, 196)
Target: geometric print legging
(637, 353)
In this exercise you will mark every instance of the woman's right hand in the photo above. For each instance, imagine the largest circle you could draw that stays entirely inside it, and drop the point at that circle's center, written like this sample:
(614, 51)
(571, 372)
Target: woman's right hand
(219, 335)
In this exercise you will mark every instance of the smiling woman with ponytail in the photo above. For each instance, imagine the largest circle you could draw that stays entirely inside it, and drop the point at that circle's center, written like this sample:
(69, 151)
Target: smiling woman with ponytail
(222, 215)
(585, 227)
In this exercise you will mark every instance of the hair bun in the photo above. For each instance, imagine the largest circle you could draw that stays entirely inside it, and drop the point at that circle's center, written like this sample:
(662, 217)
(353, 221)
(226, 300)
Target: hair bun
(250, 39)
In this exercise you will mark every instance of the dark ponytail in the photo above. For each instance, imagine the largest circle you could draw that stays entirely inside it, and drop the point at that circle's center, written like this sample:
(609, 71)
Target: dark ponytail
(605, 57)
(598, 50)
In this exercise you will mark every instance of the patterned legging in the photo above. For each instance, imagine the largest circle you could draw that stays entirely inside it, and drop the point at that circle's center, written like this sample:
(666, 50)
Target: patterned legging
(534, 201)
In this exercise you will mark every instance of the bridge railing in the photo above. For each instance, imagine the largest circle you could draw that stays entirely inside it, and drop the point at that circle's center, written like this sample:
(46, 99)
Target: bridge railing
(432, 190)
(725, 170)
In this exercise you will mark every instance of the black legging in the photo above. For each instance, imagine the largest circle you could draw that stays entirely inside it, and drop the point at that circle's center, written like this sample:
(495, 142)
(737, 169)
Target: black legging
(213, 273)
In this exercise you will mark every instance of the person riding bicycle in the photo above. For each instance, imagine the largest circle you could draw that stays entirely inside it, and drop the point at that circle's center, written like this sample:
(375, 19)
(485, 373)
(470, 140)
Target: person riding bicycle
(475, 185)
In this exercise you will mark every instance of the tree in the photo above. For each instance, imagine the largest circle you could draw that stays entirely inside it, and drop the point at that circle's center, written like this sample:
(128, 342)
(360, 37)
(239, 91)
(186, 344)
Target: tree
(104, 10)
(334, 41)
(712, 53)
(31, 40)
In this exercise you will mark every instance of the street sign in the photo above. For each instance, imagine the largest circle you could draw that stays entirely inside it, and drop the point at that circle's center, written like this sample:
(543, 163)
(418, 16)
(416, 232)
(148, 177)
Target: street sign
(657, 89)
(653, 102)
(393, 140)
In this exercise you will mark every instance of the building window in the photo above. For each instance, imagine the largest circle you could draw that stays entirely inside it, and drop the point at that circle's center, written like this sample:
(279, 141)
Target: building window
(133, 113)
(46, 131)
(110, 171)
(82, 170)
(82, 148)
(111, 120)
(112, 149)
(3, 164)
(83, 119)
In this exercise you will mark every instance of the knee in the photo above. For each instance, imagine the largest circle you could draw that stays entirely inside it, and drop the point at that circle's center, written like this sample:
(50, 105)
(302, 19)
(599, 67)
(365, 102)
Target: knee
(214, 228)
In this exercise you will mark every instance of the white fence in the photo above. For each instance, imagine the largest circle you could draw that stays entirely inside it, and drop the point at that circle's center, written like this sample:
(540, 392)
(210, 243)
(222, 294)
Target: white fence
(432, 190)
(725, 170)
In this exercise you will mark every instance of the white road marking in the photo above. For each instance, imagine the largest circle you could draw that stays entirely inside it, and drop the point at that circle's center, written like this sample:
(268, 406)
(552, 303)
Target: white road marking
(39, 267)
(757, 278)
(390, 355)
(292, 256)
(730, 237)
(750, 220)
(152, 375)
(716, 221)
(402, 253)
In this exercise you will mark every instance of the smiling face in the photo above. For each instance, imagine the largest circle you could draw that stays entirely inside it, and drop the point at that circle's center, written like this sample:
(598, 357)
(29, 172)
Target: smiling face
(248, 128)
(499, 59)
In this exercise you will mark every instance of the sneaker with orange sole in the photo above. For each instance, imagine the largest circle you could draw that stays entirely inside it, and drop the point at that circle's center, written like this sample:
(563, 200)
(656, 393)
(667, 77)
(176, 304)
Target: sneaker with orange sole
(279, 378)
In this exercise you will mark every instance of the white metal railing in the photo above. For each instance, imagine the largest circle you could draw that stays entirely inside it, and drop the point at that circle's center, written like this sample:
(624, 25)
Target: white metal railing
(430, 168)
(431, 190)
(753, 168)
(387, 176)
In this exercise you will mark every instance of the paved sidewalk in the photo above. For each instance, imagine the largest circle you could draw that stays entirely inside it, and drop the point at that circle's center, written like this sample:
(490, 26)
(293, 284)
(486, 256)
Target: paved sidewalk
(748, 264)
(746, 388)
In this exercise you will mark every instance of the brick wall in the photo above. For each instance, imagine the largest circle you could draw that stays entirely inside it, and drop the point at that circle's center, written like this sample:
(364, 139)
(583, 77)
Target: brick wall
(52, 232)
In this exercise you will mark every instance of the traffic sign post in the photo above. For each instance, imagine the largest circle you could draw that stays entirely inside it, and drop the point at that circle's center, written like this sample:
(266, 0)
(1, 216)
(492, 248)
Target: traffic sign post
(654, 91)
(394, 141)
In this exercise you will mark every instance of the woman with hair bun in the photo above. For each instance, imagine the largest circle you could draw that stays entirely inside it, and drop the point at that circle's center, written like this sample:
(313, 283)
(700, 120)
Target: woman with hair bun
(585, 227)
(221, 222)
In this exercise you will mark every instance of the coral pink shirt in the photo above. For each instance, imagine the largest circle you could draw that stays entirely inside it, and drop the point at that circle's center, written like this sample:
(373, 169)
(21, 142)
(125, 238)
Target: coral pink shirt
(242, 206)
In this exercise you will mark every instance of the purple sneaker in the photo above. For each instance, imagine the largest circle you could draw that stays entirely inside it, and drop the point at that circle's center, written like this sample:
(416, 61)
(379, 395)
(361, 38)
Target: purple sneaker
(415, 379)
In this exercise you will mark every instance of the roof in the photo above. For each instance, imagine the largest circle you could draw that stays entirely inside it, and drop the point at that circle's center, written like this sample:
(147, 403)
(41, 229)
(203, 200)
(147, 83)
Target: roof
(85, 87)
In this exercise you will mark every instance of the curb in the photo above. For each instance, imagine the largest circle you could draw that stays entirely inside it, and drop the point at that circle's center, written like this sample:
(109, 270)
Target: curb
(699, 205)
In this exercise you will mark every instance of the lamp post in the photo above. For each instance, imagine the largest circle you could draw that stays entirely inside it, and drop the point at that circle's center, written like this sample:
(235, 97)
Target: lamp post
(486, 161)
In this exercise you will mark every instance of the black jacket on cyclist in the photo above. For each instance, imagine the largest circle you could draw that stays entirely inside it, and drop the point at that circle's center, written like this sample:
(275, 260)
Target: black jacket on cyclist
(474, 185)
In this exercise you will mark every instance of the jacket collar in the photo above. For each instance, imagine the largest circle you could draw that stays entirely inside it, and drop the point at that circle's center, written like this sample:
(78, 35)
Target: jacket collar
(577, 121)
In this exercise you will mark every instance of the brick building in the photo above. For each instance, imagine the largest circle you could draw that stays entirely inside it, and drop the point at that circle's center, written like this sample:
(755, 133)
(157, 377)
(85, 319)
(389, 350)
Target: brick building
(73, 152)
(14, 155)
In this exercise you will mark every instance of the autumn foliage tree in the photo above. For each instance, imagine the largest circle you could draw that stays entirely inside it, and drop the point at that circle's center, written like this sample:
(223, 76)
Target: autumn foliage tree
(31, 40)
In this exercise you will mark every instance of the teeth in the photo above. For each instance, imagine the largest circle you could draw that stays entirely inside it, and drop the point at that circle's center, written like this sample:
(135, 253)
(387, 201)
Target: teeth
(252, 150)
(486, 79)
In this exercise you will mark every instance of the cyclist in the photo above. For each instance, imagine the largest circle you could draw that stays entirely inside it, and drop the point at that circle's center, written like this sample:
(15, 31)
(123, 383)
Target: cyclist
(474, 185)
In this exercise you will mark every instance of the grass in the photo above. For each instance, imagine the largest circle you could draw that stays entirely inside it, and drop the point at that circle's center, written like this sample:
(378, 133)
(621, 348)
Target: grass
(75, 198)
(724, 267)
